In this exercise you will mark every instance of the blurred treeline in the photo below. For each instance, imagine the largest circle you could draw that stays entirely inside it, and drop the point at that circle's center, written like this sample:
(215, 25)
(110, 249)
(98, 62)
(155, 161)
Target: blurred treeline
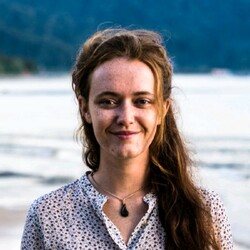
(16, 65)
(200, 35)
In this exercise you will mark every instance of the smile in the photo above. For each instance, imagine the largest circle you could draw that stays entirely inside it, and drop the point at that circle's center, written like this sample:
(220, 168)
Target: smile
(124, 134)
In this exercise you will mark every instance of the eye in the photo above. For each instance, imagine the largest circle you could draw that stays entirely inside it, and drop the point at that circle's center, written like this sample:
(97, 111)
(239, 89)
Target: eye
(143, 102)
(107, 103)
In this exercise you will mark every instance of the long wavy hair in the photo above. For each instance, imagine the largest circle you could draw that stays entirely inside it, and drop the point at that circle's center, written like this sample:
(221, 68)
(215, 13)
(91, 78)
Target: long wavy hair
(182, 212)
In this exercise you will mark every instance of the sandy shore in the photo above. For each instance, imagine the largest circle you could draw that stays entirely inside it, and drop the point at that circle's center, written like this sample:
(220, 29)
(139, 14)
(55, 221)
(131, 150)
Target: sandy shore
(11, 227)
(12, 223)
(12, 217)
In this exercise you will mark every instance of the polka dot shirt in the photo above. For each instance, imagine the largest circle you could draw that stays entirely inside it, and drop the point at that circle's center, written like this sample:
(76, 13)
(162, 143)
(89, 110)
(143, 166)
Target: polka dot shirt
(72, 218)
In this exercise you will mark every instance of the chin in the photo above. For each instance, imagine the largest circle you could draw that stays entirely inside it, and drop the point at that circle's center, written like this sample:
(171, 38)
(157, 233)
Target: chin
(127, 154)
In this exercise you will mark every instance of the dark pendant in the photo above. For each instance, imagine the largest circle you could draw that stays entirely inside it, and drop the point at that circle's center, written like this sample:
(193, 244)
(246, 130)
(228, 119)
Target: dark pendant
(124, 211)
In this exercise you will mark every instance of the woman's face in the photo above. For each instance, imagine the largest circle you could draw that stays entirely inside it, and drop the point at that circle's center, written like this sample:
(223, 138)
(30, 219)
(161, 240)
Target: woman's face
(122, 108)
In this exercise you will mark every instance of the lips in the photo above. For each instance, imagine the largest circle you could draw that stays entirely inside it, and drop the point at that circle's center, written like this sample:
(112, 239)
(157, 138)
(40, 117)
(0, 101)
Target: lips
(125, 134)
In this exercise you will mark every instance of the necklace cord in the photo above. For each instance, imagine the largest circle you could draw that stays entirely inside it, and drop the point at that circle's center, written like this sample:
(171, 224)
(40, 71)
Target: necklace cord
(122, 200)
(123, 211)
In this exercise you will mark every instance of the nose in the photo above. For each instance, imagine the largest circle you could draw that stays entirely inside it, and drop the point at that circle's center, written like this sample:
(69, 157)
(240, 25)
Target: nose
(126, 114)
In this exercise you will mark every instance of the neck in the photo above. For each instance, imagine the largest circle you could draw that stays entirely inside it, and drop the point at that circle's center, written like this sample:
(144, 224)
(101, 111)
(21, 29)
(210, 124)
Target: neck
(122, 177)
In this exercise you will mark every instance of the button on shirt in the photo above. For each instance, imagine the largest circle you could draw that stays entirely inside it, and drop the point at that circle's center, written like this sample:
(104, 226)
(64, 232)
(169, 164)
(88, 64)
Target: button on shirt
(72, 218)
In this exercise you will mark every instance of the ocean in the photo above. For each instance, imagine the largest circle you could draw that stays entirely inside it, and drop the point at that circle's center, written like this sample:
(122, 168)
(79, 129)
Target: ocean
(39, 152)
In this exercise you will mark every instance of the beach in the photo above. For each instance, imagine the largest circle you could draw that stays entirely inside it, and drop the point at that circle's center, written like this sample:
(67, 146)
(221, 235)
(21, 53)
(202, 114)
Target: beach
(11, 223)
(39, 152)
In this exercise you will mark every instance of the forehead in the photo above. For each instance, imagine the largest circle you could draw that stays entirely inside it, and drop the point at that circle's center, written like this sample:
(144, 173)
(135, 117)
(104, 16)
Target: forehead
(122, 74)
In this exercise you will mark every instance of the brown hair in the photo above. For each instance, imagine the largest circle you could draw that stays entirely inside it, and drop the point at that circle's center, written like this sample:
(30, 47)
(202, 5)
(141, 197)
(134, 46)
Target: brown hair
(184, 217)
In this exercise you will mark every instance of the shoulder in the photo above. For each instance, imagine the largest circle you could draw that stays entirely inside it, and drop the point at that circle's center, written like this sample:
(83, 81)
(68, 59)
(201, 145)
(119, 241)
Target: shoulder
(214, 204)
(59, 198)
(222, 228)
(211, 199)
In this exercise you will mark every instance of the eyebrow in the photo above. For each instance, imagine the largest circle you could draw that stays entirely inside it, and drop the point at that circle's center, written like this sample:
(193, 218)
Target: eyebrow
(111, 93)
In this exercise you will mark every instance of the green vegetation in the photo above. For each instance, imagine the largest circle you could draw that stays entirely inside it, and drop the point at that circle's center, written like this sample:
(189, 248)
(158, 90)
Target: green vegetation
(200, 34)
(15, 65)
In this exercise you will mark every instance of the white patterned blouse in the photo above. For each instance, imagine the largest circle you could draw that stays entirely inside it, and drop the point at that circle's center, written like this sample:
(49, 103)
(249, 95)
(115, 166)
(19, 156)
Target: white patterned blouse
(72, 218)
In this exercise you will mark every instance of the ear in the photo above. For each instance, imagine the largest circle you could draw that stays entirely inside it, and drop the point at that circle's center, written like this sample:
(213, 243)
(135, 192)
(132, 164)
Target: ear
(166, 105)
(84, 110)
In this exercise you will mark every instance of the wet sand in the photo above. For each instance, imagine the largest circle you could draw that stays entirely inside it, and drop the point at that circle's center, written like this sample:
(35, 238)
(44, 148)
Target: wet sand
(11, 227)
(12, 217)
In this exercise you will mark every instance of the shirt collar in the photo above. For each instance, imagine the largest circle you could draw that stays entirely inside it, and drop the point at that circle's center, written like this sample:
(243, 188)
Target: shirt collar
(98, 200)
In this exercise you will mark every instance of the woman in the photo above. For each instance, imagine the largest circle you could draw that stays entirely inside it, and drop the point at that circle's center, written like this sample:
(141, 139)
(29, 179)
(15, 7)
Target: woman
(139, 194)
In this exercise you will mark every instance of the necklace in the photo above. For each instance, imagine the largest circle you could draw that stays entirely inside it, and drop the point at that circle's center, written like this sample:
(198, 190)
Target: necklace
(123, 211)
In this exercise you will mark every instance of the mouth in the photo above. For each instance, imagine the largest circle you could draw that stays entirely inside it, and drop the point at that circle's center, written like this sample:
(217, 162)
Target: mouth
(124, 134)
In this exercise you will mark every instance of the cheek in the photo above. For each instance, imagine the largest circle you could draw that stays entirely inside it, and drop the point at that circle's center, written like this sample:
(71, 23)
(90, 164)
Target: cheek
(150, 122)
(100, 120)
(152, 118)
